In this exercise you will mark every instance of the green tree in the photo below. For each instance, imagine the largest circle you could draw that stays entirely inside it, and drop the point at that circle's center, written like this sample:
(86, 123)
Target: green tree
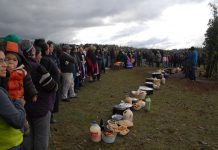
(211, 44)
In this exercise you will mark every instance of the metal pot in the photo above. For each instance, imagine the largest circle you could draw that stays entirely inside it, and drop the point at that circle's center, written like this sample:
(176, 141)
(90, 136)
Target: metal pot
(157, 75)
(149, 84)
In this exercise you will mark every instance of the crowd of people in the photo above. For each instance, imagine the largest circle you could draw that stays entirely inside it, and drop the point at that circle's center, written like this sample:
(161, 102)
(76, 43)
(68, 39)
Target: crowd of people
(36, 75)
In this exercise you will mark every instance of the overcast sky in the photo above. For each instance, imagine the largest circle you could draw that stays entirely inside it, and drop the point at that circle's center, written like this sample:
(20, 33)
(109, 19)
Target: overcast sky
(165, 24)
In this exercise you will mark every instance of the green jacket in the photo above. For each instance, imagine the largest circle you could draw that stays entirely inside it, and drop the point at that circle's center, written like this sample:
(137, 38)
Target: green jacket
(12, 117)
(9, 136)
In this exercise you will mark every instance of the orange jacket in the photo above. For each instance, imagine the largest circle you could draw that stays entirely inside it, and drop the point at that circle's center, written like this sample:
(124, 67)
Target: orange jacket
(15, 85)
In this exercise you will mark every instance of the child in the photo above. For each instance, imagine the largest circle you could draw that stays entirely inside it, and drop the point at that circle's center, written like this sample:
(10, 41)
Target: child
(19, 81)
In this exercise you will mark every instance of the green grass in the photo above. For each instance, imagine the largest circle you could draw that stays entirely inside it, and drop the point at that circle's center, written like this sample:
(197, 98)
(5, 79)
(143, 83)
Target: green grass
(183, 115)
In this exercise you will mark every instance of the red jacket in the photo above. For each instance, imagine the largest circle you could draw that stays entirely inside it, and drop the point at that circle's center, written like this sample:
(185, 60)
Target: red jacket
(15, 86)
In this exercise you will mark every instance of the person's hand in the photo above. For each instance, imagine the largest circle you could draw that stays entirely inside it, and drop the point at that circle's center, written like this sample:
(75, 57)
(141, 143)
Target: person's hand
(56, 87)
(23, 102)
(34, 99)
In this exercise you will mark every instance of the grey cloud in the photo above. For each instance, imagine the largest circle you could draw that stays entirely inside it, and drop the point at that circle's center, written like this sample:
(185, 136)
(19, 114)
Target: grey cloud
(128, 31)
(150, 43)
(60, 20)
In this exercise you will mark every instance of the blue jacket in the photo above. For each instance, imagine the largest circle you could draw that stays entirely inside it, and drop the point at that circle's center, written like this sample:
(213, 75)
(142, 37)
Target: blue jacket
(193, 57)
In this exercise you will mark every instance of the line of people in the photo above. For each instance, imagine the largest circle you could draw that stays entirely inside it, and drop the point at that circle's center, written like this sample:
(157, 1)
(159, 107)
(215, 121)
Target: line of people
(35, 76)
(33, 79)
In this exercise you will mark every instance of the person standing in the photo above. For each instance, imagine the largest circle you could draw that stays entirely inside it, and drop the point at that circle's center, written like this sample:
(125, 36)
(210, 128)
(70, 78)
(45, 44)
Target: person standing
(82, 58)
(158, 59)
(19, 83)
(12, 115)
(91, 63)
(39, 112)
(52, 55)
(193, 59)
(66, 66)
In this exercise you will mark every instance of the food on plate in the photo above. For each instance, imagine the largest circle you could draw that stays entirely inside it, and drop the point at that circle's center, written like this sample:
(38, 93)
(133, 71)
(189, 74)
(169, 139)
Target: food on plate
(128, 100)
(111, 122)
(108, 133)
(112, 127)
(122, 128)
(141, 103)
(136, 105)
(126, 123)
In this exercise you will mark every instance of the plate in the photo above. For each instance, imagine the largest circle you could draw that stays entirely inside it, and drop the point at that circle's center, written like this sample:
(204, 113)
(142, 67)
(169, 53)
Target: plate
(125, 105)
(148, 82)
(134, 99)
(145, 88)
(156, 73)
(149, 89)
(117, 117)
(142, 88)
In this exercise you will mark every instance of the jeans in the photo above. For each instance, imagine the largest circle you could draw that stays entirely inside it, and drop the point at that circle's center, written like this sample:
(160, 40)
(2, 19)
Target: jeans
(192, 75)
(38, 139)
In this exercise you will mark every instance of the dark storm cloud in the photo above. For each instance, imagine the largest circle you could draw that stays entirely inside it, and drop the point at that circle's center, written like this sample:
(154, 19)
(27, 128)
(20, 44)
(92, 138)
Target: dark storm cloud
(59, 20)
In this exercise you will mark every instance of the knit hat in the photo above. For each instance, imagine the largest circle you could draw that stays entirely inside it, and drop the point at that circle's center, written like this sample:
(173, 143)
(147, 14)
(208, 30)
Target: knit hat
(26, 46)
(12, 46)
(12, 41)
(12, 38)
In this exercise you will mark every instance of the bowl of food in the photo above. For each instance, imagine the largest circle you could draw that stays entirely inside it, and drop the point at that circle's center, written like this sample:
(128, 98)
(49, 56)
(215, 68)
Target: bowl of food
(109, 136)
(136, 106)
(112, 125)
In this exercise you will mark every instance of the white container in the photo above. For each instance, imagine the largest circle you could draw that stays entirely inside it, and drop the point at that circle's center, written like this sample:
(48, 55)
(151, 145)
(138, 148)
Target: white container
(163, 80)
(95, 132)
(128, 115)
(109, 139)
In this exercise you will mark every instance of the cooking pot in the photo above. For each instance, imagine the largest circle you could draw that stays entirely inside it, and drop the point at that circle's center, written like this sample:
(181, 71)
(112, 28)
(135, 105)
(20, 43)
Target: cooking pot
(120, 108)
(149, 80)
(148, 90)
(157, 75)
(149, 84)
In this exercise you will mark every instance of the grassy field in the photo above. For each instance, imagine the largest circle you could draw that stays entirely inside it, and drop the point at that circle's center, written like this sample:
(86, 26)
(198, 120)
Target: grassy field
(184, 114)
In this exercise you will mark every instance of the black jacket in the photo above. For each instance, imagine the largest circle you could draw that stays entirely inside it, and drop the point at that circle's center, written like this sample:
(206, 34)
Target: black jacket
(66, 63)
